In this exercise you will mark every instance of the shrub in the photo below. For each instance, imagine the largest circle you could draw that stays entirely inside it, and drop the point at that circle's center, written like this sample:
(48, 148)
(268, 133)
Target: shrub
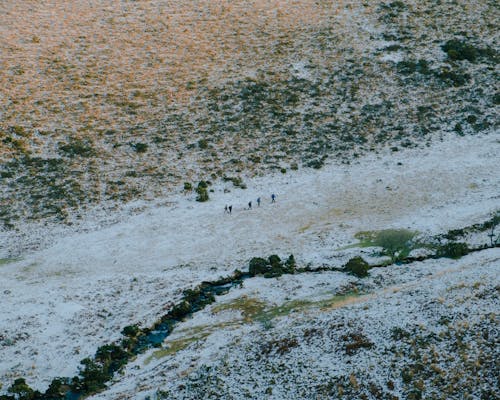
(258, 266)
(112, 357)
(202, 144)
(21, 390)
(408, 67)
(202, 192)
(77, 147)
(272, 267)
(280, 346)
(452, 78)
(237, 181)
(181, 310)
(93, 376)
(188, 186)
(357, 266)
(453, 250)
(496, 98)
(275, 261)
(130, 330)
(290, 264)
(316, 164)
(459, 50)
(56, 390)
(139, 147)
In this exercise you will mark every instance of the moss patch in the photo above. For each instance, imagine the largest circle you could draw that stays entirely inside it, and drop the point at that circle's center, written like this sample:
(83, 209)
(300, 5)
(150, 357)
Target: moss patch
(175, 346)
(395, 243)
(249, 307)
(5, 261)
(256, 310)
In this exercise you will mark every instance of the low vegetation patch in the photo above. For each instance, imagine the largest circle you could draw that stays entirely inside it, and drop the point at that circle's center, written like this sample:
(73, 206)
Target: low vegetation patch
(453, 250)
(395, 243)
(357, 266)
(272, 267)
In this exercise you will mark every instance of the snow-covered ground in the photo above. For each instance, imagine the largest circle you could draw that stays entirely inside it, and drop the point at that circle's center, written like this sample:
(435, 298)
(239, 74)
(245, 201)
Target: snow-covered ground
(296, 353)
(59, 303)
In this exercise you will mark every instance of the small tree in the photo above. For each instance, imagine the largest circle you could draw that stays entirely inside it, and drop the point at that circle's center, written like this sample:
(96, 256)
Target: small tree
(202, 191)
(357, 266)
(258, 266)
(21, 390)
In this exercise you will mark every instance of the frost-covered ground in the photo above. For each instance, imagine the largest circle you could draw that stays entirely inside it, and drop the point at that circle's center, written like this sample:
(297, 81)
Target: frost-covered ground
(59, 303)
(293, 338)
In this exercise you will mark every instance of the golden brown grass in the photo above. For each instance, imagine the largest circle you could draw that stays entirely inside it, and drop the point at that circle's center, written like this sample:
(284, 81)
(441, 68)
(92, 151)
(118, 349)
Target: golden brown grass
(94, 65)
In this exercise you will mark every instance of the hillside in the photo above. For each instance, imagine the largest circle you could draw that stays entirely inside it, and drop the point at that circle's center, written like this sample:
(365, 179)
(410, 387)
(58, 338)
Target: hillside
(62, 303)
(127, 127)
(107, 102)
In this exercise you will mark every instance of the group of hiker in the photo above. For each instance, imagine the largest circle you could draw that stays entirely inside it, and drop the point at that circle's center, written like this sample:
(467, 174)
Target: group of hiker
(229, 209)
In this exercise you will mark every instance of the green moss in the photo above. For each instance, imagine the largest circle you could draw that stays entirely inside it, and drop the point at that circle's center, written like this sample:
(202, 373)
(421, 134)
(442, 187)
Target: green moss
(256, 310)
(5, 261)
(249, 307)
(175, 346)
(395, 243)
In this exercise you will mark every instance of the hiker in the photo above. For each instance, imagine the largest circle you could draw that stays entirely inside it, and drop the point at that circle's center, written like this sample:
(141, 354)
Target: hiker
(249, 205)
(230, 208)
(258, 201)
(273, 198)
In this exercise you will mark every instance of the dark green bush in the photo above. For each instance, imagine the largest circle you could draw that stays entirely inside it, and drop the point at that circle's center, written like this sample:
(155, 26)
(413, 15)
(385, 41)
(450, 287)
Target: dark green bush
(459, 50)
(453, 250)
(258, 266)
(188, 186)
(21, 391)
(316, 164)
(56, 390)
(76, 148)
(181, 309)
(357, 266)
(93, 377)
(290, 264)
(274, 260)
(202, 144)
(272, 267)
(112, 357)
(139, 147)
(202, 192)
(237, 181)
(408, 67)
(453, 78)
(202, 195)
(130, 330)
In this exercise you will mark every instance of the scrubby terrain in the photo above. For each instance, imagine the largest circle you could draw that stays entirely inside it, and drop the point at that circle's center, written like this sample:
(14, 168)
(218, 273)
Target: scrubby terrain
(62, 303)
(126, 127)
(104, 103)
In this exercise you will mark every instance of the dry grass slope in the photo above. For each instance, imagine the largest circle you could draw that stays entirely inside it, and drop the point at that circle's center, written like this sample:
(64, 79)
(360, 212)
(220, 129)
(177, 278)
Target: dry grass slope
(87, 67)
(110, 101)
